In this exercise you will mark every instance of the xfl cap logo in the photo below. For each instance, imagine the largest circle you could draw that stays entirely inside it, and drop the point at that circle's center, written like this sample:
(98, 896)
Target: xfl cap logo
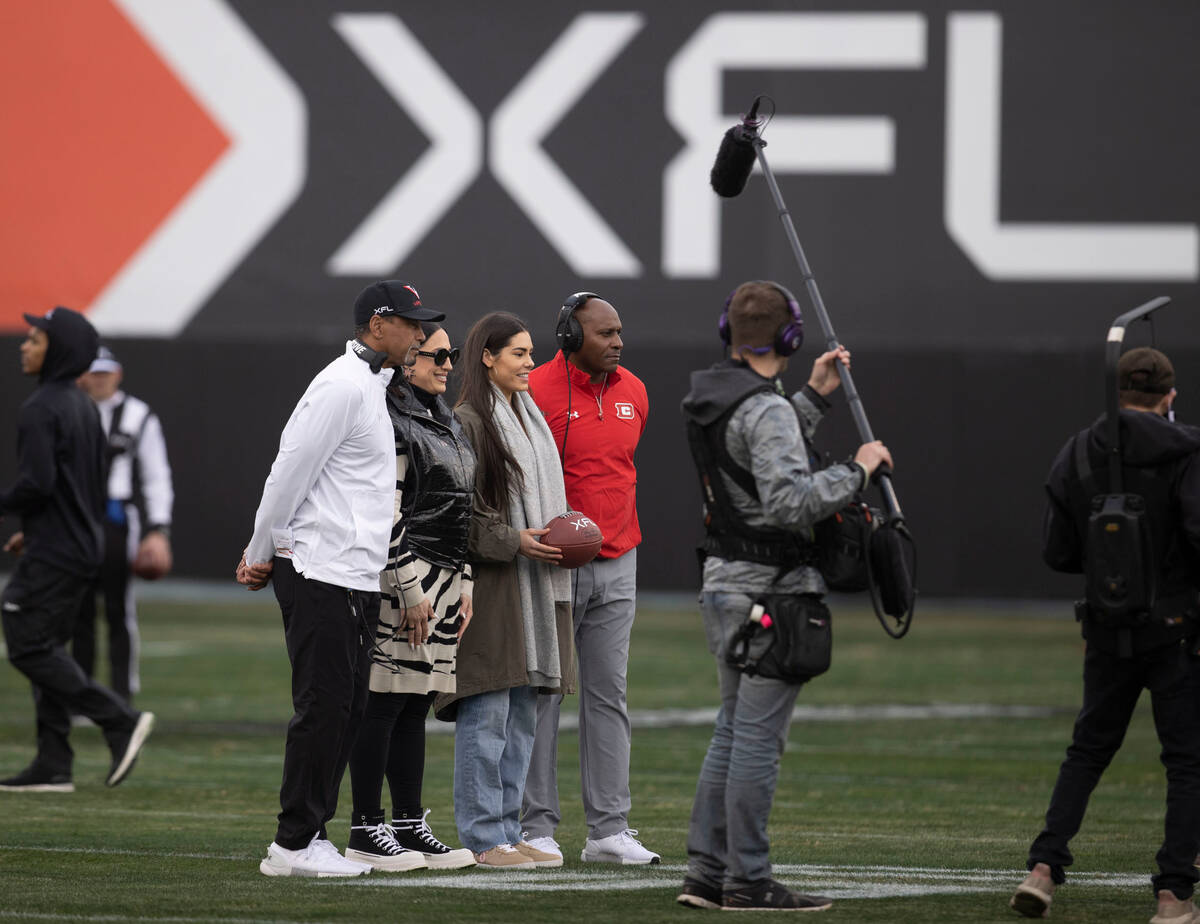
(624, 410)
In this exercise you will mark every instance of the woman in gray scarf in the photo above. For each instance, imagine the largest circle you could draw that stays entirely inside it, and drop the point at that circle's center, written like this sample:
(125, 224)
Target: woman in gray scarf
(519, 643)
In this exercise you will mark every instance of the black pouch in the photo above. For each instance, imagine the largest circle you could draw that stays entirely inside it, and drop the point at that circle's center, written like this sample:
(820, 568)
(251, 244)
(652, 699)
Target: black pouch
(890, 569)
(789, 639)
(842, 547)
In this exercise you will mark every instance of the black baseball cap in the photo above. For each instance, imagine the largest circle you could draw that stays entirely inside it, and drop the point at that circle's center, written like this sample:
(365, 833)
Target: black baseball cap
(1147, 370)
(42, 321)
(392, 298)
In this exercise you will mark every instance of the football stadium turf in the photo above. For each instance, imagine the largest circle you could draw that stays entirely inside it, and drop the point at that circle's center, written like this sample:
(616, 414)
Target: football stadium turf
(915, 776)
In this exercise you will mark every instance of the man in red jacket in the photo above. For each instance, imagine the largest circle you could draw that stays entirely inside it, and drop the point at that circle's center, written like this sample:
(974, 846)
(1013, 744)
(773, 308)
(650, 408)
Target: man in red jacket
(597, 412)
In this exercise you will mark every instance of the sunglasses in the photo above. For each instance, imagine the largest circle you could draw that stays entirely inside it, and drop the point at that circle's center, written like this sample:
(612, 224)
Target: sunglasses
(439, 357)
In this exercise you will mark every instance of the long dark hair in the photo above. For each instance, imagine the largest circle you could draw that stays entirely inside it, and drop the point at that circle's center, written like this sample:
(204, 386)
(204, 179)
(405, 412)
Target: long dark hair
(492, 332)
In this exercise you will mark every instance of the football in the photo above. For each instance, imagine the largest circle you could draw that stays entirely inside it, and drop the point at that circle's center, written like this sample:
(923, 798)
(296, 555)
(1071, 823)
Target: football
(578, 537)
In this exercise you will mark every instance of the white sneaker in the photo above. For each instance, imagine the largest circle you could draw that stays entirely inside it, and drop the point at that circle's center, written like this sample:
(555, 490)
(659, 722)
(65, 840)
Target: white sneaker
(319, 858)
(622, 847)
(544, 844)
(128, 746)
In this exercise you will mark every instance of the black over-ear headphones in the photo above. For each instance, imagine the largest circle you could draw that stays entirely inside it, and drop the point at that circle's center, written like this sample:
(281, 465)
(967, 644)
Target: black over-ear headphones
(372, 358)
(569, 332)
(790, 335)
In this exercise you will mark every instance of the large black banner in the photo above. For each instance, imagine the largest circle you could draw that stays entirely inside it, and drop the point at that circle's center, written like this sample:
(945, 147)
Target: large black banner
(980, 189)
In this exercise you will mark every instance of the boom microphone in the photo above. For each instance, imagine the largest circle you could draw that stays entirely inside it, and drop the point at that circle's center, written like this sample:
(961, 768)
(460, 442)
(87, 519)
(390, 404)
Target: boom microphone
(736, 156)
(735, 160)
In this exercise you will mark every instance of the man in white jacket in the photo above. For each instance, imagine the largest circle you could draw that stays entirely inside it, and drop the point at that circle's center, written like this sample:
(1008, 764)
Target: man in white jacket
(321, 533)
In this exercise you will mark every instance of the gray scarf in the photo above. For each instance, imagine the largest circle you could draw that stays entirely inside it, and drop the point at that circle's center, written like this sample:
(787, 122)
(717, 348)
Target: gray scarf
(540, 498)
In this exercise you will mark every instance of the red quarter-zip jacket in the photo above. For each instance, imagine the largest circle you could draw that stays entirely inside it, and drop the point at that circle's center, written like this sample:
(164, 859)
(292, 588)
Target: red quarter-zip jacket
(606, 422)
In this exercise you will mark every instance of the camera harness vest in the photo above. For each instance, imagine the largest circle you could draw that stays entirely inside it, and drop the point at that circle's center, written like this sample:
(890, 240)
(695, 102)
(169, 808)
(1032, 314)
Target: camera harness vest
(726, 535)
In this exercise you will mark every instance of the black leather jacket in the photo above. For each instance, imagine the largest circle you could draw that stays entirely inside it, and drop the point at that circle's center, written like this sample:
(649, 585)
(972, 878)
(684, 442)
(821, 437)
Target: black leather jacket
(440, 480)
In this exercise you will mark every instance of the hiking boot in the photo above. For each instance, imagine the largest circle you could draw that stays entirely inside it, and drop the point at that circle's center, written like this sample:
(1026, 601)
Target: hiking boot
(622, 847)
(502, 858)
(697, 894)
(1033, 896)
(415, 834)
(126, 747)
(319, 859)
(767, 894)
(545, 844)
(34, 779)
(1172, 910)
(373, 843)
(543, 858)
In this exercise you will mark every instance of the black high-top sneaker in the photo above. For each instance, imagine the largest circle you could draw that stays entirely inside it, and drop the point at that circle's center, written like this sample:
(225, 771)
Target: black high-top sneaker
(414, 834)
(372, 842)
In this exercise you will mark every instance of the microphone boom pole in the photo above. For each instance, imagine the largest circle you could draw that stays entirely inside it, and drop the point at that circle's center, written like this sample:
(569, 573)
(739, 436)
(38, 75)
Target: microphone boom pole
(831, 341)
(891, 570)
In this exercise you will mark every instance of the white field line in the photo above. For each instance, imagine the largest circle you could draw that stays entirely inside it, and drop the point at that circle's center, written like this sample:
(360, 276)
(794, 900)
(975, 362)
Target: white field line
(835, 881)
(679, 718)
(676, 718)
(651, 877)
(838, 881)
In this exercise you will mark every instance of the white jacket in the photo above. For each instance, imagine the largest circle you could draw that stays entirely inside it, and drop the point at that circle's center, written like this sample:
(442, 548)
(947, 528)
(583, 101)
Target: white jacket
(327, 504)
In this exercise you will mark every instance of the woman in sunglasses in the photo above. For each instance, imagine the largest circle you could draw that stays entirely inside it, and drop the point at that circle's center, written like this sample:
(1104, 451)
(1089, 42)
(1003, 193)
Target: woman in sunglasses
(426, 593)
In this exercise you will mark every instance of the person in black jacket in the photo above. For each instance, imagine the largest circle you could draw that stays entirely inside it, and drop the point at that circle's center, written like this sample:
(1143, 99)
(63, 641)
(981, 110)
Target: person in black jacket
(1160, 462)
(59, 495)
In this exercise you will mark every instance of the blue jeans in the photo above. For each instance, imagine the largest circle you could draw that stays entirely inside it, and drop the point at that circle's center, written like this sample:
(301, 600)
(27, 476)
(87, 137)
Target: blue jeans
(493, 741)
(727, 837)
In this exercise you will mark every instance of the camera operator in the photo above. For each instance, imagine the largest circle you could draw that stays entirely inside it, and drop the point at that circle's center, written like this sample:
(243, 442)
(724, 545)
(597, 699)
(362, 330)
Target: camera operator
(765, 498)
(1160, 462)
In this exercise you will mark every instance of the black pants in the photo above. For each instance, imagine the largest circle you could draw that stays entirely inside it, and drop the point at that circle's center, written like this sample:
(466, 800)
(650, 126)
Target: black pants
(113, 586)
(39, 608)
(1111, 687)
(391, 742)
(328, 631)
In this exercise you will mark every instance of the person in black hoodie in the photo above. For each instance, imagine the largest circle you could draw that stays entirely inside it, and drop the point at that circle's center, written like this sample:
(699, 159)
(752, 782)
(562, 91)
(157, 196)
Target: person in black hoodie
(1160, 462)
(59, 495)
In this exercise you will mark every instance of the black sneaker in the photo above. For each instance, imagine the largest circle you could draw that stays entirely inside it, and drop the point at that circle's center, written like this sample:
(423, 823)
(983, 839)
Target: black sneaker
(34, 779)
(415, 834)
(126, 746)
(772, 895)
(372, 842)
(697, 894)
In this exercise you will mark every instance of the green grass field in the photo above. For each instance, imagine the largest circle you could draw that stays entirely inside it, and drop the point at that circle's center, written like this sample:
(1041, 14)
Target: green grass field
(903, 814)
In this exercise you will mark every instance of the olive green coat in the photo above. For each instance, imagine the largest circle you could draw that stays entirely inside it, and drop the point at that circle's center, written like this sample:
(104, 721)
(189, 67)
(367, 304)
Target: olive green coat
(491, 654)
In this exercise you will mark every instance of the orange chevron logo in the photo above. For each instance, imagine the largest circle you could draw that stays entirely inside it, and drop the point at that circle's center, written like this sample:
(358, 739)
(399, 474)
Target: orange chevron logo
(88, 176)
(149, 147)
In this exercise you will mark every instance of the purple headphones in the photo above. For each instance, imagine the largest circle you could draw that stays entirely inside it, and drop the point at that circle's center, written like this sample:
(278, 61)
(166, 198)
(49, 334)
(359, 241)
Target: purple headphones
(790, 335)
